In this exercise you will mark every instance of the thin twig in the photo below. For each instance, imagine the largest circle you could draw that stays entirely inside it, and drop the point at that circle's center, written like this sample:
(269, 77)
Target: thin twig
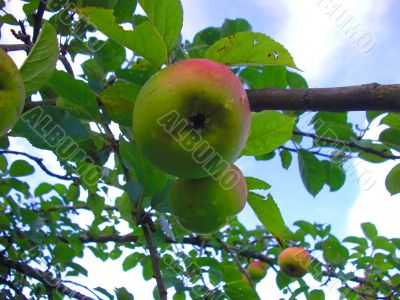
(14, 287)
(347, 144)
(39, 162)
(238, 264)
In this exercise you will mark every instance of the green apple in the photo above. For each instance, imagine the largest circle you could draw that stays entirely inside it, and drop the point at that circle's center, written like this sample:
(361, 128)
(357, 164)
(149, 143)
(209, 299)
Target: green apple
(192, 118)
(12, 93)
(294, 261)
(205, 205)
(257, 270)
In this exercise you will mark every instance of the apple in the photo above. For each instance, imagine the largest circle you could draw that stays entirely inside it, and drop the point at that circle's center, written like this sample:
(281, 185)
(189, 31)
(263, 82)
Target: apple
(257, 270)
(294, 261)
(204, 205)
(12, 93)
(192, 118)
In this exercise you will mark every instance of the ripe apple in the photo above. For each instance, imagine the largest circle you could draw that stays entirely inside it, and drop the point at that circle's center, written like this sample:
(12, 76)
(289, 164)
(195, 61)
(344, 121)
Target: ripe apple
(257, 270)
(192, 118)
(12, 93)
(205, 205)
(294, 261)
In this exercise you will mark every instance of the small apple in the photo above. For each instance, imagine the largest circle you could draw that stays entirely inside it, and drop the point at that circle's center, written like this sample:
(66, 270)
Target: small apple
(294, 261)
(205, 205)
(12, 93)
(257, 270)
(192, 118)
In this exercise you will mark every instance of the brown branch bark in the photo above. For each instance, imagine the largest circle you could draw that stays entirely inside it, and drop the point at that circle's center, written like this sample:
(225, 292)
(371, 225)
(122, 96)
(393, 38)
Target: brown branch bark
(38, 17)
(46, 278)
(155, 263)
(364, 97)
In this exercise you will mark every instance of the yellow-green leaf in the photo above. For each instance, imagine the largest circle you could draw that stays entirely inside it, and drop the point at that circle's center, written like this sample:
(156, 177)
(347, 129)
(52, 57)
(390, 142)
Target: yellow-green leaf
(250, 48)
(269, 214)
(167, 17)
(145, 40)
(41, 61)
(269, 130)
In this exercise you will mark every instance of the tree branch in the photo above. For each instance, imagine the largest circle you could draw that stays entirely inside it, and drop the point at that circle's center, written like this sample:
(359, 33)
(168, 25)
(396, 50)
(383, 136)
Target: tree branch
(351, 98)
(201, 242)
(347, 144)
(14, 287)
(238, 264)
(155, 262)
(46, 278)
(38, 17)
(39, 162)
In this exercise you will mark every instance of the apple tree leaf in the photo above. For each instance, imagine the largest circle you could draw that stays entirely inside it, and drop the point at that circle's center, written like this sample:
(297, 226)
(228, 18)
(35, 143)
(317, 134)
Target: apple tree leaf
(256, 184)
(151, 178)
(167, 17)
(250, 48)
(76, 96)
(41, 61)
(310, 170)
(145, 40)
(124, 9)
(393, 180)
(269, 130)
(269, 214)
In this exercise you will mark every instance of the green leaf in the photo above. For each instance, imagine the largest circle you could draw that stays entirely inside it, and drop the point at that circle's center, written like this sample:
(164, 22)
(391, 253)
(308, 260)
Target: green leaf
(316, 295)
(310, 170)
(124, 9)
(63, 253)
(369, 230)
(249, 48)
(131, 261)
(256, 184)
(230, 27)
(334, 252)
(296, 81)
(151, 178)
(392, 119)
(76, 96)
(51, 128)
(167, 17)
(335, 175)
(286, 158)
(240, 290)
(21, 168)
(391, 137)
(110, 56)
(3, 163)
(269, 130)
(41, 61)
(392, 181)
(42, 189)
(123, 294)
(265, 77)
(126, 208)
(269, 214)
(144, 40)
(118, 100)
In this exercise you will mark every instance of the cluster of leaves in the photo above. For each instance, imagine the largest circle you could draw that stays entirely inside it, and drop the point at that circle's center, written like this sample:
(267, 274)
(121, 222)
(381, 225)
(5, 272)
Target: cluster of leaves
(38, 224)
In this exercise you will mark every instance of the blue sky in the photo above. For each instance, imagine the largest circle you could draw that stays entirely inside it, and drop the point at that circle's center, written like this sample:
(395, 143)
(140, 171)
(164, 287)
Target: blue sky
(328, 57)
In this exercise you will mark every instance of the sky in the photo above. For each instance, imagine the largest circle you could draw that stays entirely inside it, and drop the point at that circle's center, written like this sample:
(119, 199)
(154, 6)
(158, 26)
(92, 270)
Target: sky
(329, 56)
